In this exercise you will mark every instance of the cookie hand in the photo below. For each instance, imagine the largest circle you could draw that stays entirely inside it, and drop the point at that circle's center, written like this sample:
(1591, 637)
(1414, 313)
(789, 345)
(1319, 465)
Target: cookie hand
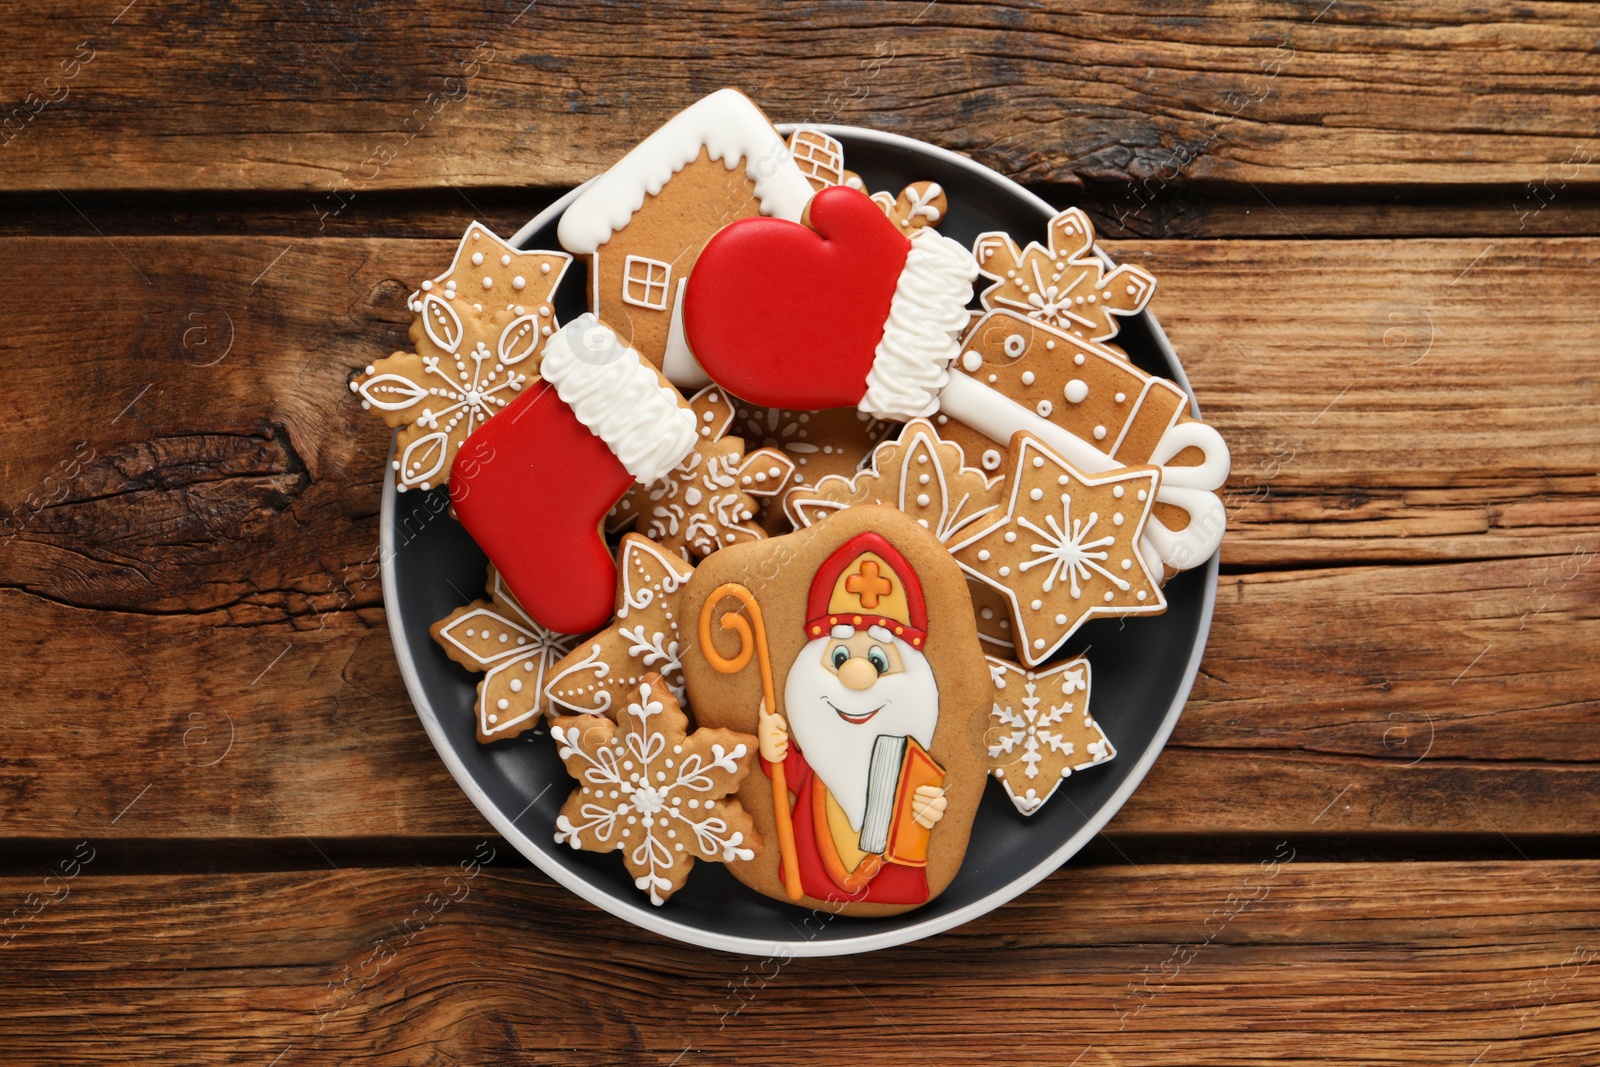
(773, 734)
(928, 804)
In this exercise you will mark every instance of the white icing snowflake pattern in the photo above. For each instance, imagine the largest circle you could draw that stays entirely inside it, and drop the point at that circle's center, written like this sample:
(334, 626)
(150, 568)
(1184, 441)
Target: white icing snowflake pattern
(644, 637)
(1041, 730)
(653, 792)
(498, 637)
(476, 349)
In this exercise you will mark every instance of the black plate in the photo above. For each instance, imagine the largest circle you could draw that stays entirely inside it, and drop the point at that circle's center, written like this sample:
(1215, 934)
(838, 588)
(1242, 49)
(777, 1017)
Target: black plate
(1141, 668)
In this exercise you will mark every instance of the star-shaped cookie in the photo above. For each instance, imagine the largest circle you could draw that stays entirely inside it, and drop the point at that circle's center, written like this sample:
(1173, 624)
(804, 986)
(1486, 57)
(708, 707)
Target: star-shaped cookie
(1040, 729)
(599, 674)
(648, 787)
(477, 329)
(497, 637)
(1066, 547)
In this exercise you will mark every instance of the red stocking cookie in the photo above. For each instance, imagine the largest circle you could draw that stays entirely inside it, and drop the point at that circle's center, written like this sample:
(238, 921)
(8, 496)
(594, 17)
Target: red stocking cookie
(534, 486)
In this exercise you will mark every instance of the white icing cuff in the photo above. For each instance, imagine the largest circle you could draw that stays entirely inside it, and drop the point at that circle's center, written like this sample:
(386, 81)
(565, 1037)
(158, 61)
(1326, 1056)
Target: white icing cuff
(921, 337)
(619, 397)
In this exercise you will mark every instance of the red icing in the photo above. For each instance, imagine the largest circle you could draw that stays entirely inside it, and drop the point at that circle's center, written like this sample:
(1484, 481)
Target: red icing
(532, 486)
(895, 883)
(789, 316)
(827, 575)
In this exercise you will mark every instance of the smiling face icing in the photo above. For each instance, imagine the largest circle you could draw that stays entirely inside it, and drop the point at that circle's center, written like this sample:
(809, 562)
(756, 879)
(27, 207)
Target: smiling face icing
(846, 690)
(863, 674)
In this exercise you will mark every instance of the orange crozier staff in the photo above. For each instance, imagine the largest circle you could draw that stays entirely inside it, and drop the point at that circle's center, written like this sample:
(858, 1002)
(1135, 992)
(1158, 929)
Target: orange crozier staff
(755, 643)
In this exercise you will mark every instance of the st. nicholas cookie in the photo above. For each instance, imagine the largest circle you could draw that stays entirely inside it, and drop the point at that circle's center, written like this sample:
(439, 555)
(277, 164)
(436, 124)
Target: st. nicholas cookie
(849, 649)
(476, 331)
(654, 791)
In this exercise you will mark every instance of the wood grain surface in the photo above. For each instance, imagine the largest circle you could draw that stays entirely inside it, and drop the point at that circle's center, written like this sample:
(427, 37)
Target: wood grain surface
(1371, 838)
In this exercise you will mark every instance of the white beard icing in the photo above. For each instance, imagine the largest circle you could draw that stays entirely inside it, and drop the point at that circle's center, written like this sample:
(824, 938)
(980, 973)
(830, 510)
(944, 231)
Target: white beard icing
(840, 752)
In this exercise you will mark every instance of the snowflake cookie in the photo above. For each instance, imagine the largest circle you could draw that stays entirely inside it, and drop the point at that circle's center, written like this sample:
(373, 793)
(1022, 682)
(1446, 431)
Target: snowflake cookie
(497, 637)
(1065, 285)
(709, 500)
(643, 638)
(477, 331)
(1040, 730)
(651, 789)
(1065, 548)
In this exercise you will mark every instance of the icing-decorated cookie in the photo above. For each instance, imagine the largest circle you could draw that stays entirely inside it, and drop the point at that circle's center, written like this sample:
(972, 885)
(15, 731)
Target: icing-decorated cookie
(1040, 729)
(477, 329)
(710, 499)
(1065, 284)
(849, 649)
(496, 637)
(819, 156)
(919, 204)
(920, 474)
(649, 788)
(821, 443)
(641, 225)
(1098, 412)
(645, 636)
(1065, 548)
(533, 489)
(843, 310)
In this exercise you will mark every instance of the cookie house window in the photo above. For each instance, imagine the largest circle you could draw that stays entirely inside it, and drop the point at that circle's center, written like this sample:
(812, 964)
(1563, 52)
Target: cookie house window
(644, 282)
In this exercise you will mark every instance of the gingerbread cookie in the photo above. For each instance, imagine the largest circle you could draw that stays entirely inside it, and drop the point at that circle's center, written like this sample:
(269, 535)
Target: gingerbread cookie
(922, 474)
(1040, 729)
(1096, 410)
(497, 637)
(645, 636)
(919, 204)
(710, 499)
(820, 443)
(1065, 284)
(650, 788)
(1065, 548)
(477, 331)
(849, 649)
(641, 225)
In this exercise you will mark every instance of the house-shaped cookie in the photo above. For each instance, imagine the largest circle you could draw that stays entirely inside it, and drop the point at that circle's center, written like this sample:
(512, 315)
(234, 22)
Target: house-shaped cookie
(642, 224)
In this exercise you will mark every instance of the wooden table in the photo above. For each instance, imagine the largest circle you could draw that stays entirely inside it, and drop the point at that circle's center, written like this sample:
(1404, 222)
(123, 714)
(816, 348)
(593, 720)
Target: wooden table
(1372, 838)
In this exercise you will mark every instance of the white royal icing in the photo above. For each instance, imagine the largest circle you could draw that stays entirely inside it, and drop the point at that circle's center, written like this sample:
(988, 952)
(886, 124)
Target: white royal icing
(920, 338)
(730, 128)
(619, 397)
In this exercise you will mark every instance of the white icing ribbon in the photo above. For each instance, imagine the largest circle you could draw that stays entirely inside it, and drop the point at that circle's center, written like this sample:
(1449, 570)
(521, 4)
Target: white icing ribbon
(922, 335)
(996, 415)
(730, 128)
(619, 397)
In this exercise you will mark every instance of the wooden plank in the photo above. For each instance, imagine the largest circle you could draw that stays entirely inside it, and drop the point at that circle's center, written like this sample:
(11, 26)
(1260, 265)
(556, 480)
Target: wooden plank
(212, 543)
(1274, 962)
(329, 101)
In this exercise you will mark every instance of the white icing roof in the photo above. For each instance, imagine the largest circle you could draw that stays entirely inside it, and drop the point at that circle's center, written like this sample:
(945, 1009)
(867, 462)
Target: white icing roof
(730, 128)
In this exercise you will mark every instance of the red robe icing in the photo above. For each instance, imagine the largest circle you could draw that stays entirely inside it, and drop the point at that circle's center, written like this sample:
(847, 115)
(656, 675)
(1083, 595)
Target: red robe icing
(895, 883)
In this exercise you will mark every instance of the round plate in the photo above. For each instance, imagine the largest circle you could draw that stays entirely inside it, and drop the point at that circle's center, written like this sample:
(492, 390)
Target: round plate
(1141, 669)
